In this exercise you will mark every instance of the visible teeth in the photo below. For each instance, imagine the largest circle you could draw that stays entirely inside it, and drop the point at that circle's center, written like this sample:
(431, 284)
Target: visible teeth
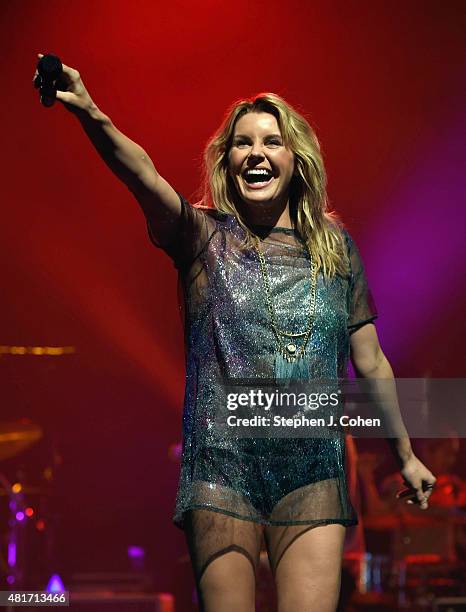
(258, 171)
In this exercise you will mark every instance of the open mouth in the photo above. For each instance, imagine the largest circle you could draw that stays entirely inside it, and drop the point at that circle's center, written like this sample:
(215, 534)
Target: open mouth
(257, 178)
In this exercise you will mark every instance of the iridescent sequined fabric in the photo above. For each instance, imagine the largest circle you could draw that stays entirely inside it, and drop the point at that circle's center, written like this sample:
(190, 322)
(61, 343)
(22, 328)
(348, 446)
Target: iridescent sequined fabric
(228, 334)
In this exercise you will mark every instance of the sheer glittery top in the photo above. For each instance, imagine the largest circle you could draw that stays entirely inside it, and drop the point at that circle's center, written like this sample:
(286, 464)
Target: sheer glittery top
(228, 335)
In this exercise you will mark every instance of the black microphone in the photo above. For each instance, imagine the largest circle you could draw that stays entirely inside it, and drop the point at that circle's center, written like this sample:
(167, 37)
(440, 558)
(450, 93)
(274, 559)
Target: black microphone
(49, 69)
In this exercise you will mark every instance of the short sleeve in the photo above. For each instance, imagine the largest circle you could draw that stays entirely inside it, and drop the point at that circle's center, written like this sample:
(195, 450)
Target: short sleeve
(361, 305)
(194, 229)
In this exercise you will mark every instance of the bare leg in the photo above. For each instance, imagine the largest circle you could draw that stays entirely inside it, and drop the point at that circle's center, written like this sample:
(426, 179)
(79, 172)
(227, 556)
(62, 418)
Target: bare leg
(224, 554)
(308, 571)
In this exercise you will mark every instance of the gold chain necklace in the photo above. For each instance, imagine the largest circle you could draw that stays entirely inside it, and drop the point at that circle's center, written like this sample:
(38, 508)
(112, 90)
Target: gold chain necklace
(289, 351)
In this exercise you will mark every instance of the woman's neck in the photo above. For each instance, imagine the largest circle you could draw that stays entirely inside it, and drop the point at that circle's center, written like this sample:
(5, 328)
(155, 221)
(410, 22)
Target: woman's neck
(266, 217)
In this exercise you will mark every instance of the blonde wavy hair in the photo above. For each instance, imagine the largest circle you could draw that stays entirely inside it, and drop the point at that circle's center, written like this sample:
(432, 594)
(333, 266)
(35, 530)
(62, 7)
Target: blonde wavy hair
(320, 228)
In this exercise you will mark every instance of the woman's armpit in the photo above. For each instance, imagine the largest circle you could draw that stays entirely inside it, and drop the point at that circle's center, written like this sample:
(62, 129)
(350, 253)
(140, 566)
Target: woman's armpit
(194, 228)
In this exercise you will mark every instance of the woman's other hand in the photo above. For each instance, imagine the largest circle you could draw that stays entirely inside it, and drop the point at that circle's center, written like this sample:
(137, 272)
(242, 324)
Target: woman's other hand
(419, 481)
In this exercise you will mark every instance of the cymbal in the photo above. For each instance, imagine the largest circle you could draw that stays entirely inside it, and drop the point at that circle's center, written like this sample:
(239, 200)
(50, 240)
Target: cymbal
(16, 436)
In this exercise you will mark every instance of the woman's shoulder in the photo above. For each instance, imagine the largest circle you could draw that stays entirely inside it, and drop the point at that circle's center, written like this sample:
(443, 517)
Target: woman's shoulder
(211, 214)
(340, 232)
(347, 238)
(208, 209)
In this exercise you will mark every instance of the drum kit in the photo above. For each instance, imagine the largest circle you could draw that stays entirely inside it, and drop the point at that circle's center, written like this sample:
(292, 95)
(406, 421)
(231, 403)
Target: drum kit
(21, 506)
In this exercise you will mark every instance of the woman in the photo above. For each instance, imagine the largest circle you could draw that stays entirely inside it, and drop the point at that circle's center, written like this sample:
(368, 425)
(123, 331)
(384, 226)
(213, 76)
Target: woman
(274, 288)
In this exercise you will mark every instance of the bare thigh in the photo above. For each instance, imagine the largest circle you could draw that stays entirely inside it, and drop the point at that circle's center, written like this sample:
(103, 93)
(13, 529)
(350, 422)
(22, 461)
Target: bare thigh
(225, 553)
(306, 562)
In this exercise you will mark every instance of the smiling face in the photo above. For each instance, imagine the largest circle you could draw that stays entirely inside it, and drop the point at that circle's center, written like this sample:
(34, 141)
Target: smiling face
(259, 163)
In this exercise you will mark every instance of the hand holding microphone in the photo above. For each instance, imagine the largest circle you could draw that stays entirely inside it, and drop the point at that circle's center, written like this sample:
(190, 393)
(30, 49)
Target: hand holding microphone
(419, 483)
(57, 81)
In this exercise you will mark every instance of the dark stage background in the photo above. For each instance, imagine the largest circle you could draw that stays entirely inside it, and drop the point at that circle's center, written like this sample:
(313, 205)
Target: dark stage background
(383, 85)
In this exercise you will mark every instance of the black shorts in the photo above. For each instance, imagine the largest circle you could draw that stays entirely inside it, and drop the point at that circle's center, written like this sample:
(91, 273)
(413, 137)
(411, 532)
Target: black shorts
(266, 470)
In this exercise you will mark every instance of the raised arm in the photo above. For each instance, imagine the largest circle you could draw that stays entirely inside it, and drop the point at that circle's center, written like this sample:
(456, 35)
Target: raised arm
(125, 158)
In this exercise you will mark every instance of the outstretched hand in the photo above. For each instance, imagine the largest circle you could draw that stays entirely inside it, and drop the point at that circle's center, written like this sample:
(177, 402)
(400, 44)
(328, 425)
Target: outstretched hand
(419, 481)
(70, 89)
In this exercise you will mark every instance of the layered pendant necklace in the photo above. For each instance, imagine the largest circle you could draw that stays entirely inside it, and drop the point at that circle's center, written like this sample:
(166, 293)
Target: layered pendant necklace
(291, 361)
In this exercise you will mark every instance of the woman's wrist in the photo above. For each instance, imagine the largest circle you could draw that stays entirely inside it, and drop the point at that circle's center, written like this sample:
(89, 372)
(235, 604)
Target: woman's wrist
(402, 450)
(91, 114)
